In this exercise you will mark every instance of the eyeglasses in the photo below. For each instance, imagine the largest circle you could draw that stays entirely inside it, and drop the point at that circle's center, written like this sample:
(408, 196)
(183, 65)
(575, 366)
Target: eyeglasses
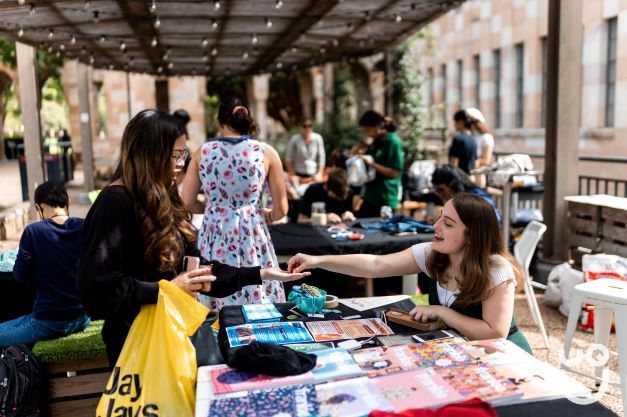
(180, 156)
(307, 125)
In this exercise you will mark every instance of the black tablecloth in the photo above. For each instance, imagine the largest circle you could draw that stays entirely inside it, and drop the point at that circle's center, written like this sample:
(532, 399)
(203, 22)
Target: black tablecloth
(291, 238)
(232, 316)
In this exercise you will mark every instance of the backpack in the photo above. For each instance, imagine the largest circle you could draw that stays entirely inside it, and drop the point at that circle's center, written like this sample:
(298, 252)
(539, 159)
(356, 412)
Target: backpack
(20, 382)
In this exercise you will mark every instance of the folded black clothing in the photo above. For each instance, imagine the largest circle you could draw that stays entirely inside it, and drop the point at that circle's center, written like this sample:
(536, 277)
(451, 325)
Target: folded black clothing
(271, 359)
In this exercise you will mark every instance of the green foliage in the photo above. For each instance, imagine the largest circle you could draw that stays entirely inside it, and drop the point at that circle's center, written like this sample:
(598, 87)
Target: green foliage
(211, 103)
(410, 110)
(7, 52)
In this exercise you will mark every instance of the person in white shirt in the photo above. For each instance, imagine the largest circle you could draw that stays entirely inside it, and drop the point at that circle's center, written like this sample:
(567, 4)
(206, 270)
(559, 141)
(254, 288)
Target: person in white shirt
(473, 277)
(483, 137)
(305, 157)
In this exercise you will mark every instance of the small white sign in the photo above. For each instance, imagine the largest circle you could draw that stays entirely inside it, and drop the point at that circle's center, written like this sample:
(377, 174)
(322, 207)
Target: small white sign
(84, 117)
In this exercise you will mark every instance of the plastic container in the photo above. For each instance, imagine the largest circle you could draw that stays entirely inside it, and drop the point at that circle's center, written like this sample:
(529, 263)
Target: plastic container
(318, 214)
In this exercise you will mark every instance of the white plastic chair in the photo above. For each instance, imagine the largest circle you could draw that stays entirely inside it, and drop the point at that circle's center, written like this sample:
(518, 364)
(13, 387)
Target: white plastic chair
(523, 252)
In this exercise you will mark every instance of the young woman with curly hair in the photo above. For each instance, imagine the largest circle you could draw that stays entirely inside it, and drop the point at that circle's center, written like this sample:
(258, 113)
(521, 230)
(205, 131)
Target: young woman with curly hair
(138, 231)
(473, 276)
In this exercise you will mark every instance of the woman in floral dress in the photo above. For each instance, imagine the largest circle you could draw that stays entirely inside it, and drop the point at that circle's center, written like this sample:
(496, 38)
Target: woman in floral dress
(231, 170)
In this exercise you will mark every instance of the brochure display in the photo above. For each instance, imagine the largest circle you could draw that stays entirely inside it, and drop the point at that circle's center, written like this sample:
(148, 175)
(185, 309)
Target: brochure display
(324, 331)
(279, 333)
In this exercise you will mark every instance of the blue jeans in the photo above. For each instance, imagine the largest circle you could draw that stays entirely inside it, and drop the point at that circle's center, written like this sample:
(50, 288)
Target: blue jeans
(28, 330)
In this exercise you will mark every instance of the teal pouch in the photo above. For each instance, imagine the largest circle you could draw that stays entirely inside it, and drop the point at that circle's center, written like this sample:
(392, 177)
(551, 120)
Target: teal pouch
(305, 301)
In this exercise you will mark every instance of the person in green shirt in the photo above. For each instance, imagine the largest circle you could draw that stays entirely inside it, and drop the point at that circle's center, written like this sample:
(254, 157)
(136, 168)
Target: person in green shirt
(386, 152)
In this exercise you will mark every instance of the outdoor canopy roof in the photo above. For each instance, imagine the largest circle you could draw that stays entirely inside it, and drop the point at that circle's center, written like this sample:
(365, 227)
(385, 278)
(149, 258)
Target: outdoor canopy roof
(217, 37)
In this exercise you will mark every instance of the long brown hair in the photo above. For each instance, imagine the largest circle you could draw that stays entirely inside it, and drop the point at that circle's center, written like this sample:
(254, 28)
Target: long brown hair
(482, 239)
(145, 169)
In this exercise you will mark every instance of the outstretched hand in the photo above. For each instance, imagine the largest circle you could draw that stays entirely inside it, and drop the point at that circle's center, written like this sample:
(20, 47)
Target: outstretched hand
(278, 274)
(301, 262)
(196, 281)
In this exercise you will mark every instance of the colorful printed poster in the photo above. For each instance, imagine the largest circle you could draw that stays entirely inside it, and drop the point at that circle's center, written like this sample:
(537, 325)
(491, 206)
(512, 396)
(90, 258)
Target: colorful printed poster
(324, 331)
(442, 354)
(421, 388)
(334, 364)
(496, 351)
(385, 360)
(226, 380)
(278, 333)
(294, 401)
(350, 398)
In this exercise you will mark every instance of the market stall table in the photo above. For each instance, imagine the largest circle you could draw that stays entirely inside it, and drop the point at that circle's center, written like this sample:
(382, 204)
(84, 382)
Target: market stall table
(292, 238)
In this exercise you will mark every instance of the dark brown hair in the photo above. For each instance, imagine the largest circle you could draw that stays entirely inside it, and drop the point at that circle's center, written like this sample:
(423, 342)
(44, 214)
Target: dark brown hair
(482, 239)
(337, 182)
(145, 168)
(240, 120)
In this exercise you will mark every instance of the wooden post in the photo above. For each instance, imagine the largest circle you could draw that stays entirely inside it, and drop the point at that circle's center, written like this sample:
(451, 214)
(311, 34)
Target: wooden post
(162, 95)
(563, 108)
(87, 156)
(27, 67)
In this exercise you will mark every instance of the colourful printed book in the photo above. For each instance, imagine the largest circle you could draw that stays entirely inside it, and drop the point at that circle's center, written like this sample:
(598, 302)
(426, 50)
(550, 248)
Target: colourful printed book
(225, 380)
(278, 333)
(294, 401)
(324, 331)
(420, 388)
(261, 313)
(350, 398)
(334, 364)
(538, 380)
(441, 354)
(385, 360)
(481, 381)
(496, 352)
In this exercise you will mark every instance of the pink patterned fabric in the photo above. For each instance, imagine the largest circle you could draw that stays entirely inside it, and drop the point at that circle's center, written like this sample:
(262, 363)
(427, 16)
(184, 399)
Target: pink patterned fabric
(233, 229)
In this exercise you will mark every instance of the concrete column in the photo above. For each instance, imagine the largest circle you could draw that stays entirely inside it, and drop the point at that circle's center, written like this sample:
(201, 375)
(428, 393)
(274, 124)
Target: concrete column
(29, 93)
(84, 81)
(261, 87)
(318, 94)
(562, 120)
(305, 88)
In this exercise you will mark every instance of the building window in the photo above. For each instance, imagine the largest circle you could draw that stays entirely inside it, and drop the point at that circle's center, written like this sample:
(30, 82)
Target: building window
(497, 88)
(544, 75)
(610, 79)
(477, 64)
(520, 82)
(443, 74)
(460, 82)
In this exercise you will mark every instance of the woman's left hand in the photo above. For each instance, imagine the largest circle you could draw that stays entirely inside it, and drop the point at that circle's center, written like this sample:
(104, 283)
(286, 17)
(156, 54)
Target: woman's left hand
(267, 215)
(425, 313)
(278, 274)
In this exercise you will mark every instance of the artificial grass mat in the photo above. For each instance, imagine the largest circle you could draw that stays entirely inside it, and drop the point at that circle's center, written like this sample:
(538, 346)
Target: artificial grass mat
(82, 345)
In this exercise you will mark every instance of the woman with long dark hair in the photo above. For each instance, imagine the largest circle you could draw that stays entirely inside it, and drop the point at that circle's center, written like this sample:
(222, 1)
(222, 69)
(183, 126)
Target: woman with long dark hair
(387, 160)
(473, 276)
(138, 231)
(232, 171)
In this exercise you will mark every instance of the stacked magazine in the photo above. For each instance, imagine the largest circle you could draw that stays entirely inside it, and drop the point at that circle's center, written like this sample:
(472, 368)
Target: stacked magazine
(392, 378)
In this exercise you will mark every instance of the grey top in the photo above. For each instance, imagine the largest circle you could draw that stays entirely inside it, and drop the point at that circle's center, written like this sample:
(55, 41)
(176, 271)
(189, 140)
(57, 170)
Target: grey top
(307, 159)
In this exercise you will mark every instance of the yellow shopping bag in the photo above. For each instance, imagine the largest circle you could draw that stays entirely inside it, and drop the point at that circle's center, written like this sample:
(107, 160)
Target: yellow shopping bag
(155, 374)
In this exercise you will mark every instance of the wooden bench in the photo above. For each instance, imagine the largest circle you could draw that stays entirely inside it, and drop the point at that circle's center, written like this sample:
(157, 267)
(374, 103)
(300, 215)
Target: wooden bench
(77, 370)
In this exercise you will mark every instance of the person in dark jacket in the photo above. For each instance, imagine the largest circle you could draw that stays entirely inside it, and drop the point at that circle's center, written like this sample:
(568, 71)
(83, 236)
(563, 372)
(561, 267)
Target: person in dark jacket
(138, 231)
(48, 258)
(463, 150)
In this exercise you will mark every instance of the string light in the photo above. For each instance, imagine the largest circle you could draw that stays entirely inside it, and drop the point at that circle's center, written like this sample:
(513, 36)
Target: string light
(170, 65)
(122, 46)
(160, 70)
(205, 58)
(111, 67)
(254, 39)
(398, 18)
(153, 6)
(216, 4)
(294, 49)
(96, 16)
(33, 8)
(214, 23)
(335, 42)
(21, 2)
(367, 15)
(279, 65)
(72, 39)
(245, 55)
(87, 4)
(214, 51)
(204, 42)
(83, 50)
(62, 47)
(20, 32)
(278, 4)
(154, 42)
(157, 23)
(103, 38)
(91, 60)
(268, 22)
(50, 48)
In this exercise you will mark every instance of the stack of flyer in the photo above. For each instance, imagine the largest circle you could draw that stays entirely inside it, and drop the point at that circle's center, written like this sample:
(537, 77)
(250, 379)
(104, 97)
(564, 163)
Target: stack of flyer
(261, 313)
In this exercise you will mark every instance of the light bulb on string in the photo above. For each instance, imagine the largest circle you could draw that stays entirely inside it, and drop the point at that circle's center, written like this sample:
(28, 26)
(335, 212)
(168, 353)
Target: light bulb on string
(21, 2)
(62, 47)
(122, 46)
(268, 22)
(160, 70)
(398, 18)
(33, 8)
(103, 38)
(96, 16)
(245, 55)
(91, 60)
(254, 39)
(205, 58)
(204, 42)
(214, 51)
(214, 23)
(153, 6)
(72, 39)
(170, 65)
(87, 4)
(154, 42)
(216, 4)
(278, 4)
(20, 32)
(157, 23)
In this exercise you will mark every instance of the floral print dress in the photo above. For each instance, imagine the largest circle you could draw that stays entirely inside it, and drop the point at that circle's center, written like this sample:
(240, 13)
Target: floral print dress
(233, 230)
